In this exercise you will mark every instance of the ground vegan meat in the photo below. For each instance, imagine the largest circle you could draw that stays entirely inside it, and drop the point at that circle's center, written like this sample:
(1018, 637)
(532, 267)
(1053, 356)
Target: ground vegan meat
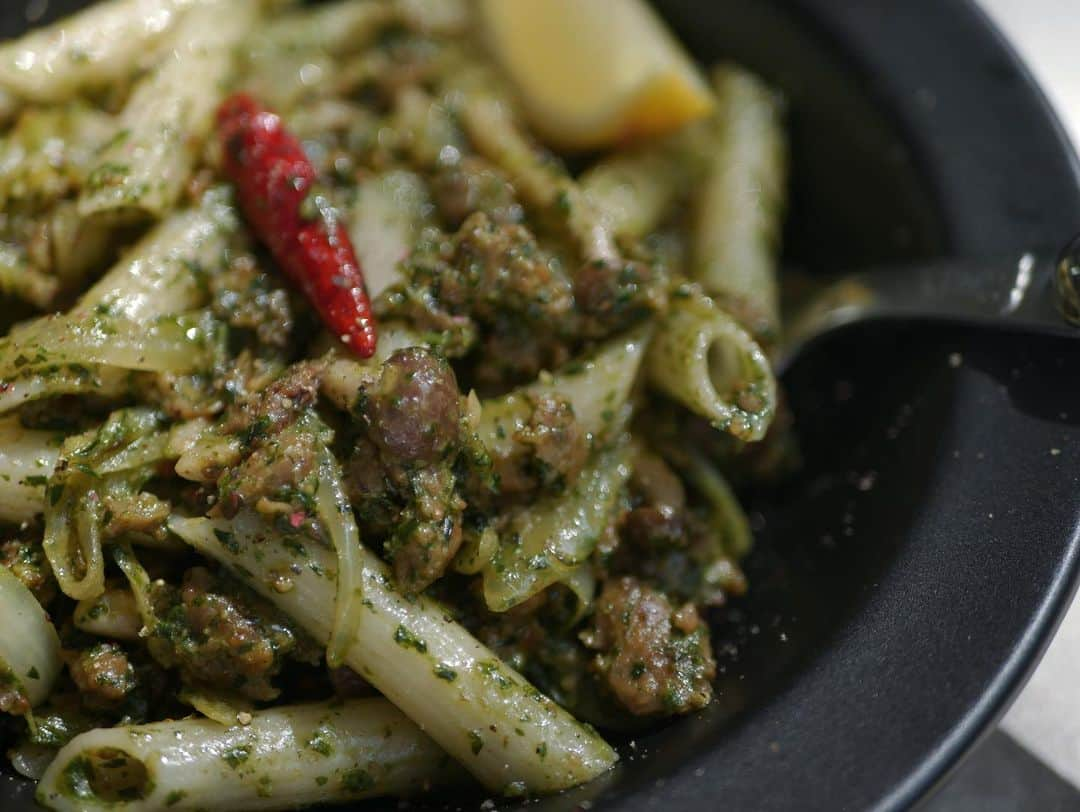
(413, 413)
(471, 184)
(103, 674)
(220, 636)
(413, 422)
(655, 659)
(548, 453)
(26, 560)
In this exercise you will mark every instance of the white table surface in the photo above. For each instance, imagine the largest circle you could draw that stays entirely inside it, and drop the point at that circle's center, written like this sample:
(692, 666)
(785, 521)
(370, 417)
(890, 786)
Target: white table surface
(1046, 717)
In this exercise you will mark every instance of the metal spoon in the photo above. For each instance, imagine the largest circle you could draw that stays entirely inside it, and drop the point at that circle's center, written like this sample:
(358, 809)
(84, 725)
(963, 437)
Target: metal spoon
(1024, 296)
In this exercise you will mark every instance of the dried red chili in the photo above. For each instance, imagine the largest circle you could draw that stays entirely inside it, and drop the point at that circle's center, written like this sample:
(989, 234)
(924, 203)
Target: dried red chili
(275, 185)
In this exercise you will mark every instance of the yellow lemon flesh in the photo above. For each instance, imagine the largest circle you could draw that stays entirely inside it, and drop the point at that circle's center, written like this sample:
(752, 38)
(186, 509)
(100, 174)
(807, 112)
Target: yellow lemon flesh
(595, 73)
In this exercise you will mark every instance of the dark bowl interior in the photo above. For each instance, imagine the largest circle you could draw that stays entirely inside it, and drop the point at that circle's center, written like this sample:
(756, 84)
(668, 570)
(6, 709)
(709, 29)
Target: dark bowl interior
(905, 583)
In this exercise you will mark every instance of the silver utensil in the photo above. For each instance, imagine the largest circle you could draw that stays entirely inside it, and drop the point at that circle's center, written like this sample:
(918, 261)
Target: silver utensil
(1030, 294)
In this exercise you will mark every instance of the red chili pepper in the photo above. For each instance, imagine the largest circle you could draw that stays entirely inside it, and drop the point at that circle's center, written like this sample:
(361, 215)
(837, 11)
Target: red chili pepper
(275, 183)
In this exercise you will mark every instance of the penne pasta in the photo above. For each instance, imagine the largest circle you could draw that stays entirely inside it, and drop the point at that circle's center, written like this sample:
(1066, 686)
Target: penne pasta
(101, 44)
(543, 184)
(93, 348)
(29, 648)
(332, 27)
(551, 542)
(510, 736)
(739, 210)
(344, 375)
(598, 388)
(283, 758)
(165, 272)
(27, 459)
(637, 190)
(385, 220)
(704, 360)
(113, 614)
(150, 156)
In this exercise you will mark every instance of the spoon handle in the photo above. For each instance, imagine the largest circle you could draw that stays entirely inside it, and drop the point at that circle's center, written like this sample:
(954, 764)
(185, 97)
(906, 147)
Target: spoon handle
(1024, 295)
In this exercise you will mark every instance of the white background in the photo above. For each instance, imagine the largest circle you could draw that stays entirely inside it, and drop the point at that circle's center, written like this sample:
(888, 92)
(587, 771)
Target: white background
(1046, 717)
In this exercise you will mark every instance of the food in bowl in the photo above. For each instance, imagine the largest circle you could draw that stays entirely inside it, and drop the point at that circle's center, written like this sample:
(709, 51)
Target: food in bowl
(358, 446)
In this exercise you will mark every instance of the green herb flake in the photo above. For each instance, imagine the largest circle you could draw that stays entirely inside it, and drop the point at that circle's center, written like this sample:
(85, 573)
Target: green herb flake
(264, 787)
(76, 778)
(322, 741)
(235, 756)
(228, 541)
(404, 637)
(476, 742)
(175, 797)
(445, 672)
(357, 780)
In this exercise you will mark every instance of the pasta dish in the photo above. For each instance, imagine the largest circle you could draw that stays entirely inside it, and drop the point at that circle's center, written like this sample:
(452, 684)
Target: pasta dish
(372, 398)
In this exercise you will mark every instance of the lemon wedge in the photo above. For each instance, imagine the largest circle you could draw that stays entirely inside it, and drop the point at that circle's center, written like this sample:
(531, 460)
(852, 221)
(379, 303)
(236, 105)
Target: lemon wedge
(595, 73)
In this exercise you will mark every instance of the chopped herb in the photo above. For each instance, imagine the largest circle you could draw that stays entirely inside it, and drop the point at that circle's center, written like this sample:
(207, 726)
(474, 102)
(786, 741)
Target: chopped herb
(264, 788)
(77, 775)
(321, 741)
(445, 672)
(404, 637)
(228, 541)
(236, 756)
(476, 742)
(357, 780)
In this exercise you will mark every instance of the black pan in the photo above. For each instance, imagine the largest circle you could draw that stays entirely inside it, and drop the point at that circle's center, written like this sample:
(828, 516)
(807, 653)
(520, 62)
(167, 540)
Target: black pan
(906, 583)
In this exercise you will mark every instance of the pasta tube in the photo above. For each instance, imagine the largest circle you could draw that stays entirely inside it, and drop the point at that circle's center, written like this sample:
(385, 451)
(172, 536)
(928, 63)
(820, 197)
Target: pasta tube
(503, 730)
(147, 162)
(114, 614)
(29, 647)
(99, 45)
(345, 374)
(428, 127)
(335, 28)
(286, 758)
(740, 206)
(543, 184)
(598, 388)
(726, 515)
(293, 56)
(163, 274)
(703, 359)
(550, 542)
(111, 462)
(27, 459)
(384, 224)
(636, 190)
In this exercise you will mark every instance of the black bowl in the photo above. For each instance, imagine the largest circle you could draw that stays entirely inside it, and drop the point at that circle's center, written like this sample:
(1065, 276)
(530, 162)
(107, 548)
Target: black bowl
(907, 582)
